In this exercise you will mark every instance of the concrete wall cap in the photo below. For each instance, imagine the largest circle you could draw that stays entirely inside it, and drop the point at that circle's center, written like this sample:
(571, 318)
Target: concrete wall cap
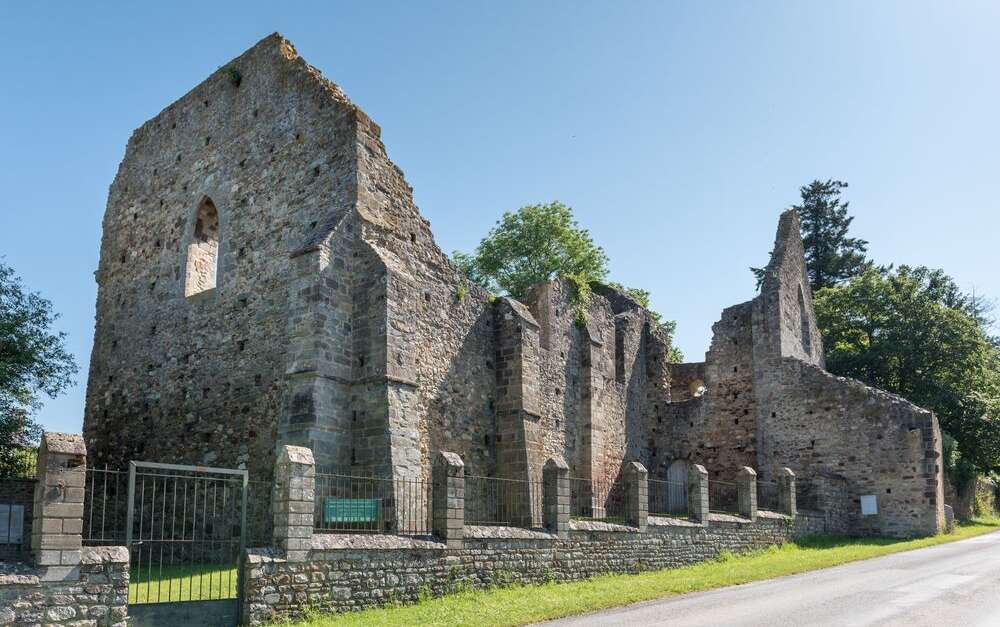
(557, 462)
(66, 443)
(787, 472)
(297, 455)
(451, 459)
(747, 471)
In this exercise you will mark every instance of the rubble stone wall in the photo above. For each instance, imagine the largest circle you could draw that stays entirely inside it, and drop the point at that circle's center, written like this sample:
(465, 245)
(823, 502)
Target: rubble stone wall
(347, 573)
(98, 596)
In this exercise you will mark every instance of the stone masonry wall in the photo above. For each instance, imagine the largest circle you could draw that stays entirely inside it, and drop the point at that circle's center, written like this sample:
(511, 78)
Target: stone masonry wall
(891, 449)
(201, 379)
(355, 572)
(99, 597)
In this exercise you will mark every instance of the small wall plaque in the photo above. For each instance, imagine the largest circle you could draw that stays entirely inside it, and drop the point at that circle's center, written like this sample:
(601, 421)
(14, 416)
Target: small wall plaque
(869, 506)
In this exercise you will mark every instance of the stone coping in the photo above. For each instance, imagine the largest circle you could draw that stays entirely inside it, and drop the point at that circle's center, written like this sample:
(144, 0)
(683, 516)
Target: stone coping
(764, 513)
(728, 518)
(350, 541)
(25, 573)
(598, 525)
(669, 521)
(486, 532)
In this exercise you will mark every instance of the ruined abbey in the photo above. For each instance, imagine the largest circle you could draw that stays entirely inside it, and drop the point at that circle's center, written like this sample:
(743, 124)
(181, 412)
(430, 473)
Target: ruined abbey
(266, 279)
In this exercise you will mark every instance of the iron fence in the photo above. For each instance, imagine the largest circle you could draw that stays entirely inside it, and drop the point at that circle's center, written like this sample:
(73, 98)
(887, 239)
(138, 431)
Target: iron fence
(767, 496)
(723, 497)
(598, 500)
(350, 504)
(105, 507)
(668, 498)
(505, 502)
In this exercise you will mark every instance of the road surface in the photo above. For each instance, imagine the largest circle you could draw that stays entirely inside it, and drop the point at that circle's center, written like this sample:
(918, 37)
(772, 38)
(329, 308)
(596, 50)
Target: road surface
(950, 584)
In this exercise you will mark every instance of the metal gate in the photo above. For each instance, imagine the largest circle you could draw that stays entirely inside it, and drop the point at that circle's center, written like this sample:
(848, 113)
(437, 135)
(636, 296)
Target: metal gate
(186, 535)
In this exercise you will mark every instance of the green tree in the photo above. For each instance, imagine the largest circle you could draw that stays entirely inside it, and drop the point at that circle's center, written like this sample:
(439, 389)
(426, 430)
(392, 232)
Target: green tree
(913, 332)
(831, 256)
(534, 244)
(33, 362)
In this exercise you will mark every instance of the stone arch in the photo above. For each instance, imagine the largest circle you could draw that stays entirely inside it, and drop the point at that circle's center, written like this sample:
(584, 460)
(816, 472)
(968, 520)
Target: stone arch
(203, 250)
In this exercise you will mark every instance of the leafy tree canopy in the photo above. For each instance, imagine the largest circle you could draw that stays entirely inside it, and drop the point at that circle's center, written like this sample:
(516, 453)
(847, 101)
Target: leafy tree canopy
(536, 244)
(33, 362)
(532, 245)
(831, 256)
(913, 332)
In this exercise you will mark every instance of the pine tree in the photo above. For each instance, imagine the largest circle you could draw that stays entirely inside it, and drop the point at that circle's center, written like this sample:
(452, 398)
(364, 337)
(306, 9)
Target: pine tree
(831, 256)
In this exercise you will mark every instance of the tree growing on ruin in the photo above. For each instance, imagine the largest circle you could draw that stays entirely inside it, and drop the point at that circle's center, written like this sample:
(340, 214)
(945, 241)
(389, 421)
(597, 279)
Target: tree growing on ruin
(33, 362)
(831, 256)
(912, 331)
(534, 244)
(538, 243)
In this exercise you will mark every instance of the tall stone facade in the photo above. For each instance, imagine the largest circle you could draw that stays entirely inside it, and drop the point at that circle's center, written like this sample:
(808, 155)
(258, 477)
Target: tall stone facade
(266, 279)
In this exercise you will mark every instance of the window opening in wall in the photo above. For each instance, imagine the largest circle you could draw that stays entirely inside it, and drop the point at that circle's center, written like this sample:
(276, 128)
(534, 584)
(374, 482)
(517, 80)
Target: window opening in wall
(806, 335)
(203, 251)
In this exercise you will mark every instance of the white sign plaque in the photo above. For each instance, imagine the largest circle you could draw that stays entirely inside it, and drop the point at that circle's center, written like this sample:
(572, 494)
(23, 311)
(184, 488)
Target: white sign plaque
(869, 506)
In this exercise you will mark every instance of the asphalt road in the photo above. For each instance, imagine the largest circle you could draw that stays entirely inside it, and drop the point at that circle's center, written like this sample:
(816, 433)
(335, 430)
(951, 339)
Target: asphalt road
(950, 584)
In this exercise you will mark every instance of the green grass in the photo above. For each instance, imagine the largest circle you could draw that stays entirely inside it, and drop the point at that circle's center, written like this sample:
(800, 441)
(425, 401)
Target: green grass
(181, 583)
(518, 605)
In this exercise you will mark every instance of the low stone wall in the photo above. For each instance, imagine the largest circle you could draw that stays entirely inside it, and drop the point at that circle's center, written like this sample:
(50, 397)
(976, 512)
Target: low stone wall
(98, 597)
(347, 572)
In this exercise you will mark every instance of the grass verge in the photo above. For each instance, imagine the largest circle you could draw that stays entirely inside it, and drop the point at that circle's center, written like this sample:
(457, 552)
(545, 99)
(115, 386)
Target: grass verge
(518, 605)
(181, 583)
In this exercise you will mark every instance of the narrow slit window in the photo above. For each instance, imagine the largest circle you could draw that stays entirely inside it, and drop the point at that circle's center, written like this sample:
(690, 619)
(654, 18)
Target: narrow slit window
(804, 320)
(203, 251)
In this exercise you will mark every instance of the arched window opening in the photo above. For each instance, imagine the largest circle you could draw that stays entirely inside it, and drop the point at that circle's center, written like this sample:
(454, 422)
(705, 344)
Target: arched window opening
(804, 320)
(203, 251)
(696, 388)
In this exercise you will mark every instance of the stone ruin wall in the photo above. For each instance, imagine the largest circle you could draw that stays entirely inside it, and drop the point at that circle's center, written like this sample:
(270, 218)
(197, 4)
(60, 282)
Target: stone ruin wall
(338, 324)
(208, 371)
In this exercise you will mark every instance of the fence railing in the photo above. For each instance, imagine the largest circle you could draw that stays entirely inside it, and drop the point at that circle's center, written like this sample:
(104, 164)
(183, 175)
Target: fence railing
(350, 504)
(767, 496)
(668, 498)
(505, 502)
(723, 496)
(598, 500)
(105, 507)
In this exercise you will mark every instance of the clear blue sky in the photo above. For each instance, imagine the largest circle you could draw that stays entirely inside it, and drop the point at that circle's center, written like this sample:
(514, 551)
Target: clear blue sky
(676, 131)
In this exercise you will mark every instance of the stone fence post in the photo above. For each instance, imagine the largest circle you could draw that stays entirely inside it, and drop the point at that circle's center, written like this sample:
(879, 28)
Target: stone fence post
(746, 489)
(786, 491)
(448, 498)
(294, 502)
(698, 493)
(57, 526)
(555, 497)
(637, 495)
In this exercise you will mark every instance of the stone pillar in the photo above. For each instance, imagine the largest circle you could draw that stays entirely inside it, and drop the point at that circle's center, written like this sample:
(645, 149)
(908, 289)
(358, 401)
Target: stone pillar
(786, 491)
(294, 501)
(555, 497)
(746, 489)
(448, 498)
(698, 493)
(637, 494)
(57, 525)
